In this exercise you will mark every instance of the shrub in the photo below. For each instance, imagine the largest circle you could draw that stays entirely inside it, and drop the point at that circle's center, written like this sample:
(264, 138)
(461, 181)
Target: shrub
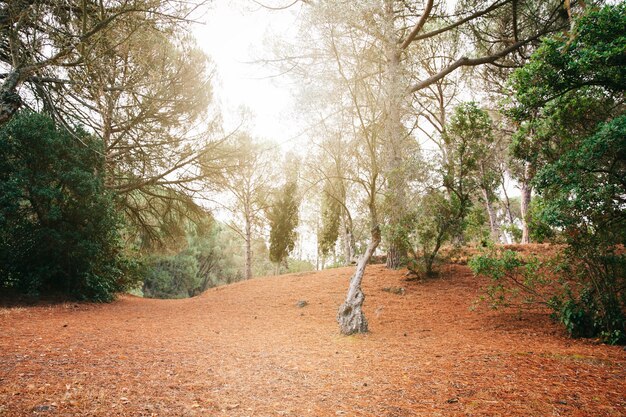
(58, 224)
(584, 299)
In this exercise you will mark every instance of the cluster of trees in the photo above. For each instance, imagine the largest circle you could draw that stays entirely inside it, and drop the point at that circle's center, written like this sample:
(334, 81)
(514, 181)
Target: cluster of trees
(569, 103)
(108, 135)
(114, 90)
(425, 113)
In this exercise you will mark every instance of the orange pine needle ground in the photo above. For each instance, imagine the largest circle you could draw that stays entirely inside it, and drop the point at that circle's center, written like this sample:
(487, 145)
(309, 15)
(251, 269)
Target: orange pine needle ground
(247, 350)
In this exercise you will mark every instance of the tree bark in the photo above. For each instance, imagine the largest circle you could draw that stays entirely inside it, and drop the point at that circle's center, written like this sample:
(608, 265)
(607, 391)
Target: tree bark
(494, 227)
(10, 101)
(396, 255)
(396, 177)
(350, 316)
(526, 196)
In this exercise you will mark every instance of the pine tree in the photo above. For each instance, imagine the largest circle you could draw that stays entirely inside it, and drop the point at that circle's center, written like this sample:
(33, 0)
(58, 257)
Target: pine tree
(283, 218)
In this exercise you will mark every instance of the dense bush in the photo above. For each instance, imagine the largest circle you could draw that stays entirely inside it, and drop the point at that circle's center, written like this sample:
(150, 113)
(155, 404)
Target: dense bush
(58, 224)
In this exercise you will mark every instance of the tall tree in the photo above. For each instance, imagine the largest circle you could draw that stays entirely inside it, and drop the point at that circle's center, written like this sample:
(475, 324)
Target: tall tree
(247, 179)
(283, 220)
(572, 96)
(331, 219)
(144, 88)
(373, 48)
(59, 231)
(126, 70)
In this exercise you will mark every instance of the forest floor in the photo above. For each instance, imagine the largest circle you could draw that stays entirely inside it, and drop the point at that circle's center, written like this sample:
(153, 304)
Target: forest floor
(247, 349)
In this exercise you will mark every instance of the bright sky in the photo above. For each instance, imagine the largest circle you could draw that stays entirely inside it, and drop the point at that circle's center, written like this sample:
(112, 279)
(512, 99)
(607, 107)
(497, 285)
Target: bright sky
(236, 33)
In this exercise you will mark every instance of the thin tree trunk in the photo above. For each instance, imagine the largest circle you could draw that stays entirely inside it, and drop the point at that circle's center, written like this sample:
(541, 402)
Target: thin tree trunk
(350, 316)
(526, 190)
(493, 219)
(347, 239)
(248, 255)
(507, 202)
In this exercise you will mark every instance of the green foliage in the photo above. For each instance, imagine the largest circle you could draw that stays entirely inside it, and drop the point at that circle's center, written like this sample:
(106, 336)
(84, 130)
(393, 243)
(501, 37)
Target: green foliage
(540, 229)
(570, 101)
(442, 216)
(586, 309)
(331, 219)
(592, 55)
(477, 226)
(514, 281)
(467, 139)
(59, 231)
(172, 277)
(584, 189)
(208, 260)
(598, 291)
(283, 218)
(439, 219)
(397, 238)
(293, 265)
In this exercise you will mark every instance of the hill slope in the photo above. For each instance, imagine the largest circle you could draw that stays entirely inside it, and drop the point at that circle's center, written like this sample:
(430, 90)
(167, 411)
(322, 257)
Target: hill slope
(248, 350)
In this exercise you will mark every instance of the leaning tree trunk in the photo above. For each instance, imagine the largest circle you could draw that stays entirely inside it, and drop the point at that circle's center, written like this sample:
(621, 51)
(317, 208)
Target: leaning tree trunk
(350, 316)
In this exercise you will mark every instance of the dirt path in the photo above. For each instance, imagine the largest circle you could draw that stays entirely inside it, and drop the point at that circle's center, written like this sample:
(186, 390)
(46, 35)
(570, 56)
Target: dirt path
(248, 350)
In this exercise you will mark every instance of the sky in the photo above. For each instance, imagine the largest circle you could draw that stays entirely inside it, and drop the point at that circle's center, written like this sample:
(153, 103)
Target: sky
(235, 34)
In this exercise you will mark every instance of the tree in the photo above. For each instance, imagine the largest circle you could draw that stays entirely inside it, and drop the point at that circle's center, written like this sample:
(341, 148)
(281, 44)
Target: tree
(283, 220)
(331, 219)
(571, 95)
(127, 71)
(247, 178)
(372, 47)
(145, 88)
(207, 261)
(43, 39)
(59, 231)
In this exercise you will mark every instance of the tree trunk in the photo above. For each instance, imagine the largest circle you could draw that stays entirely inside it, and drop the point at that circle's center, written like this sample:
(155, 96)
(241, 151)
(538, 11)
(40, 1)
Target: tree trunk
(494, 227)
(10, 101)
(248, 255)
(350, 316)
(396, 255)
(507, 202)
(394, 131)
(525, 201)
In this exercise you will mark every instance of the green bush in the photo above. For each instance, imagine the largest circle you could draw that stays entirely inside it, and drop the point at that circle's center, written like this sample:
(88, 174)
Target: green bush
(586, 308)
(514, 281)
(207, 261)
(58, 224)
(540, 230)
